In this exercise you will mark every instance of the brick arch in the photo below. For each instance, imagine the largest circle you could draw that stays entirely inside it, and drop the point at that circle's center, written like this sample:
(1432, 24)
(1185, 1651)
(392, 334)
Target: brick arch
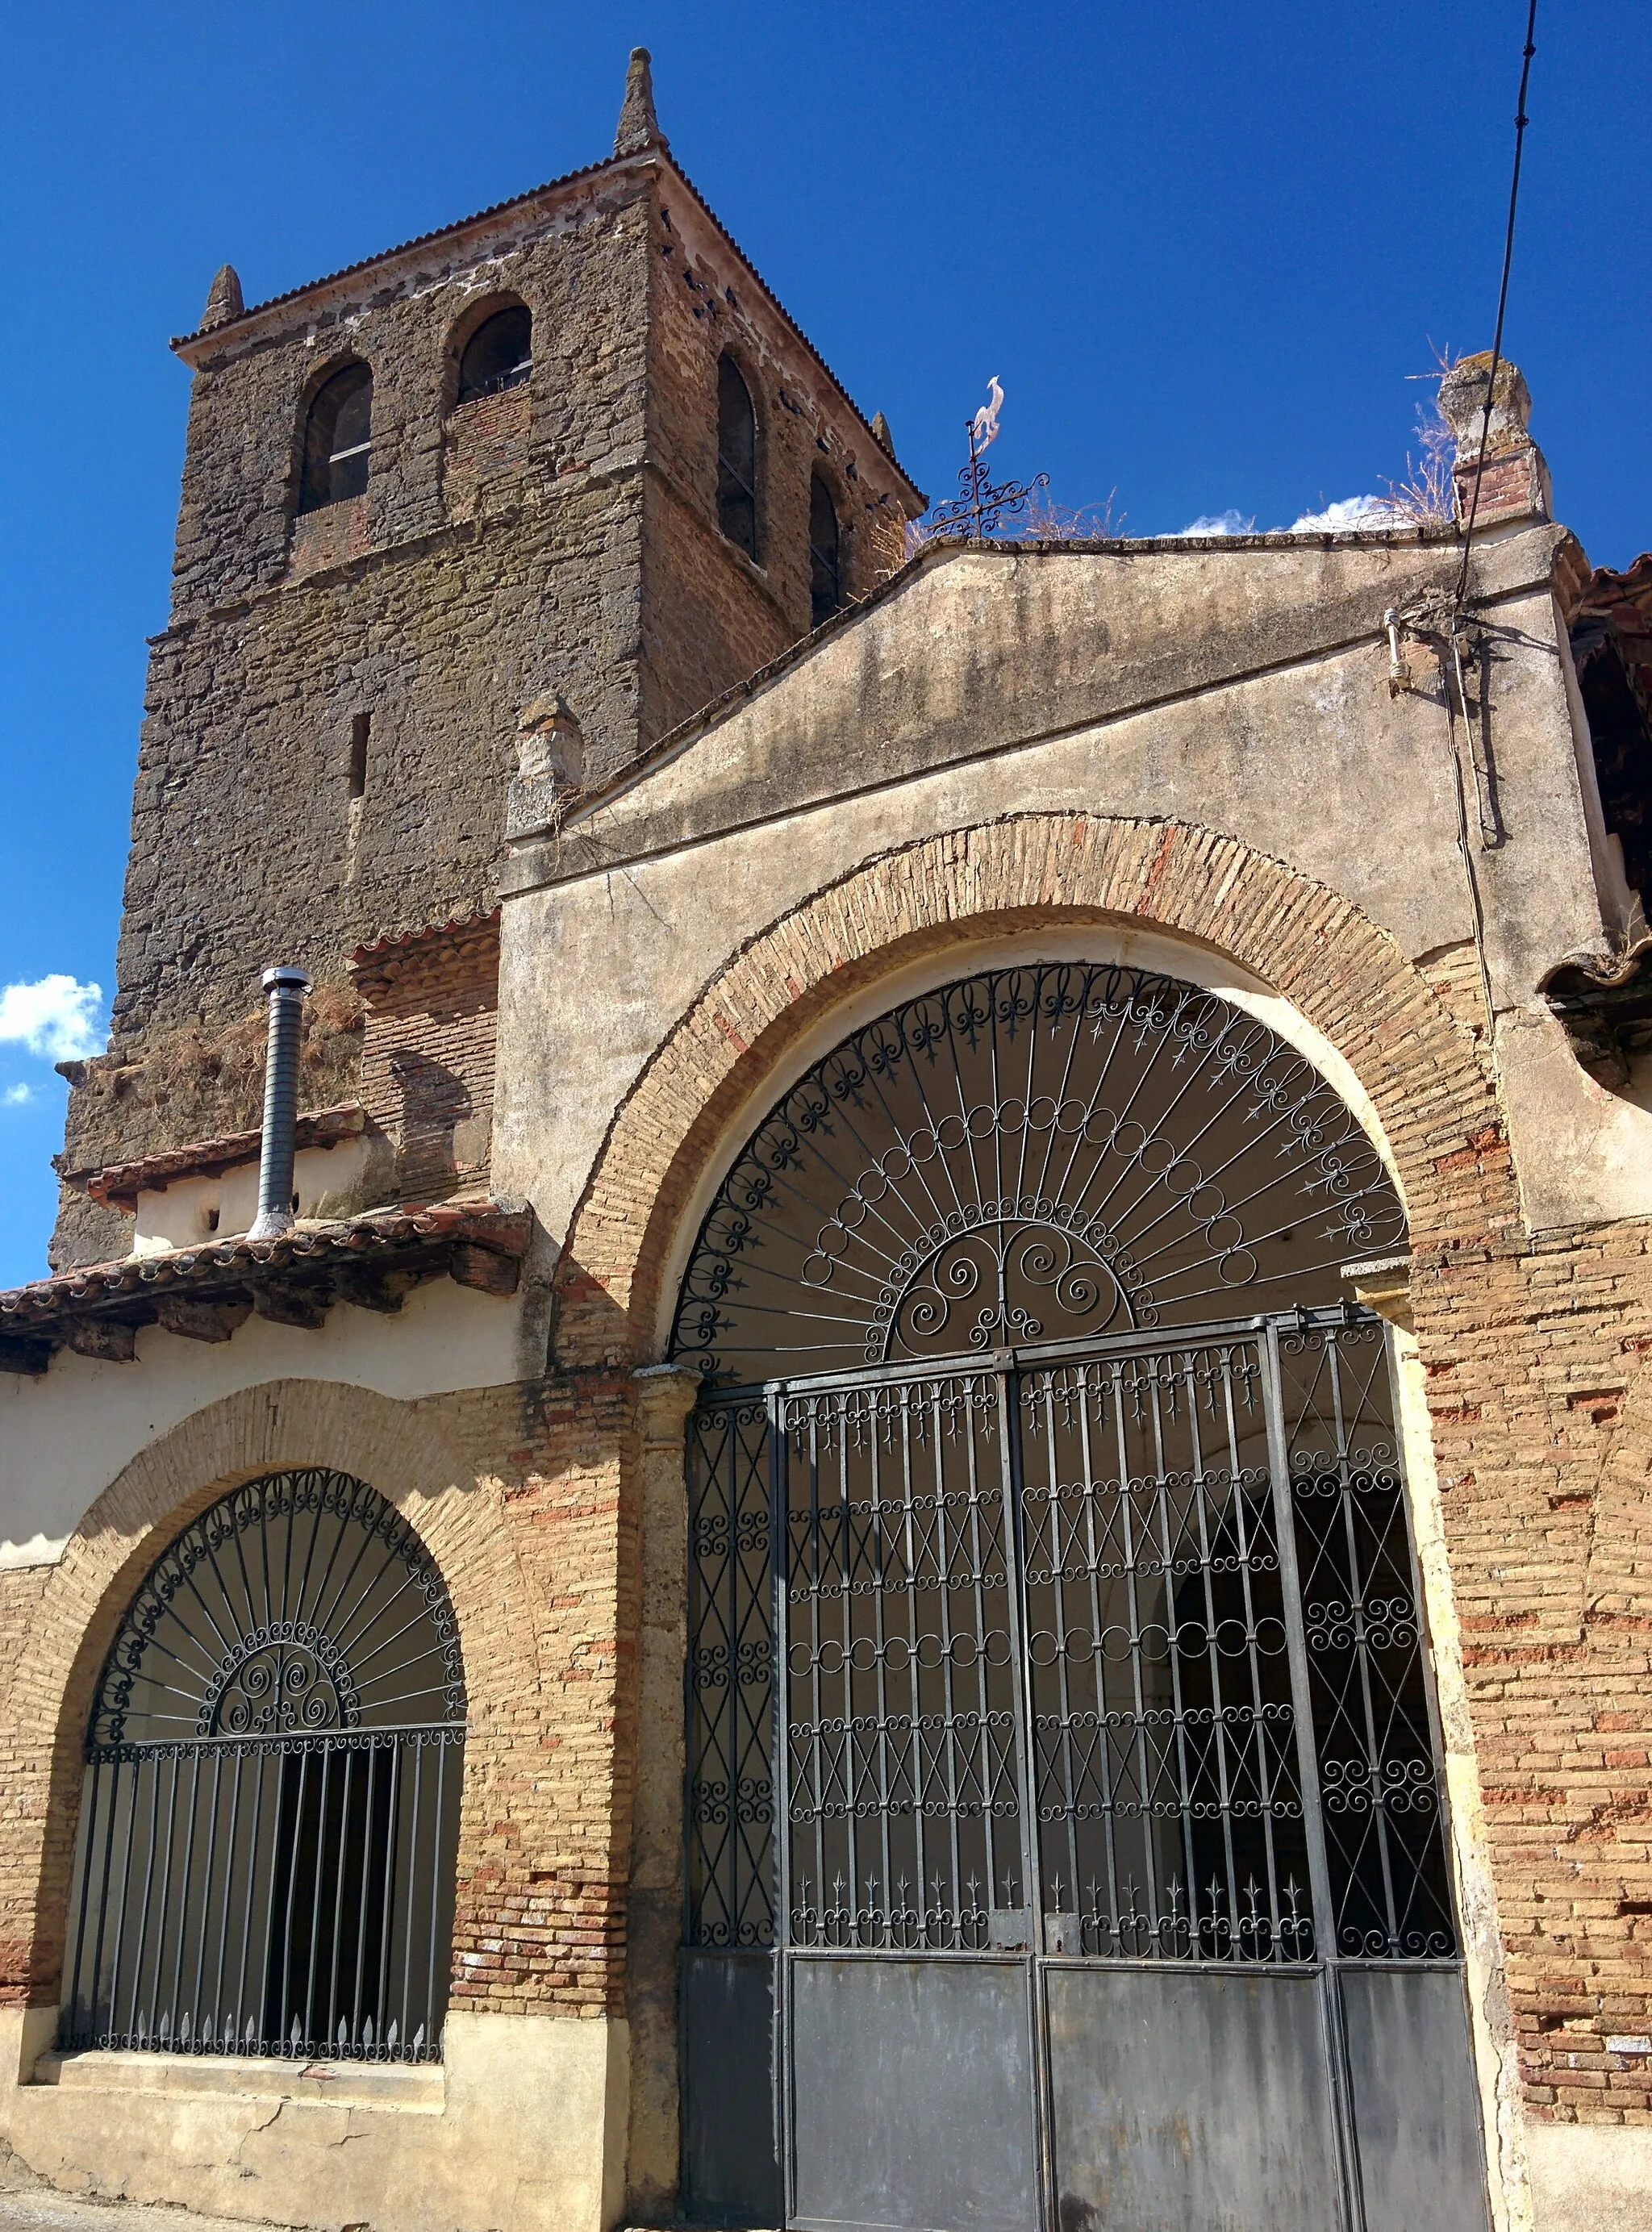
(1314, 948)
(399, 1450)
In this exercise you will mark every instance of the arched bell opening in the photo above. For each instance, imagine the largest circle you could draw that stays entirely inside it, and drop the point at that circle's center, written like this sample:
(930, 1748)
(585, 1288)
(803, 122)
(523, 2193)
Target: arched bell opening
(270, 1814)
(1053, 1625)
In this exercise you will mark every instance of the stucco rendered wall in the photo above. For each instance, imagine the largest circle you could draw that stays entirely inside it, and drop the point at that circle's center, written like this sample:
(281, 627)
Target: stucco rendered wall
(521, 2129)
(65, 1435)
(1248, 698)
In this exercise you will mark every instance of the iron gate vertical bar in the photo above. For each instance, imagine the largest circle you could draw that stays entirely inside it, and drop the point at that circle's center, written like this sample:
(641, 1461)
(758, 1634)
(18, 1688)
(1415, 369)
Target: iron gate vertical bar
(1373, 1745)
(1013, 1472)
(779, 2013)
(1308, 1771)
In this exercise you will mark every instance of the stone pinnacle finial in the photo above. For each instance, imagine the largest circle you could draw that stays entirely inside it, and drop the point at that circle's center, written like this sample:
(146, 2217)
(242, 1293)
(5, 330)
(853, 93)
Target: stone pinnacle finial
(223, 299)
(637, 123)
(1513, 478)
(881, 434)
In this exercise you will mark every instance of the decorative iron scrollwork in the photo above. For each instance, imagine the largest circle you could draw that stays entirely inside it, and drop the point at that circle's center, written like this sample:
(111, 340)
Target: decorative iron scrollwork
(1065, 1150)
(302, 1601)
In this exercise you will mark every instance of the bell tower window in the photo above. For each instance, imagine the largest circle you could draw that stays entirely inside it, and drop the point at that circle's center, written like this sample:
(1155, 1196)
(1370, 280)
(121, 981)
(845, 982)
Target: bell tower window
(736, 458)
(338, 438)
(498, 355)
(826, 580)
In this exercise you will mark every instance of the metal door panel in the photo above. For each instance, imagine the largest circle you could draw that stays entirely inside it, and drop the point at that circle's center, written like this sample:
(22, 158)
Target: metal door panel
(1416, 2112)
(733, 2174)
(1184, 2101)
(912, 2092)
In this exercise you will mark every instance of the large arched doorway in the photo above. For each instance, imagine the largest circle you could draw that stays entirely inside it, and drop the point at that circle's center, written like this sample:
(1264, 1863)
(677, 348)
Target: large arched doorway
(1086, 1865)
(270, 1814)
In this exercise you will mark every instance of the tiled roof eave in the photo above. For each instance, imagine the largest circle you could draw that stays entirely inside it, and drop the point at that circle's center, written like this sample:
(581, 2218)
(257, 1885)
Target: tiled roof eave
(119, 1184)
(478, 1243)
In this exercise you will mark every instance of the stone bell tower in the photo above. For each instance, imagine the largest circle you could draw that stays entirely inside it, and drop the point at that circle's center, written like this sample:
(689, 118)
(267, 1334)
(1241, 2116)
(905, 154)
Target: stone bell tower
(490, 468)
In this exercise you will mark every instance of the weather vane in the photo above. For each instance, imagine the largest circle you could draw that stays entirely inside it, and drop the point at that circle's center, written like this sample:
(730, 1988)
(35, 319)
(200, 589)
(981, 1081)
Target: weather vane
(982, 506)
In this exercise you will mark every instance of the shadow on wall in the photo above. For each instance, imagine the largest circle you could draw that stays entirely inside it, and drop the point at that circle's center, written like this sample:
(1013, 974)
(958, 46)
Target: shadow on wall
(441, 1140)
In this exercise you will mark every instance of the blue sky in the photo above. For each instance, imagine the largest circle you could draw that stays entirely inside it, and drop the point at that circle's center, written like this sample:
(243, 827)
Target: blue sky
(1203, 246)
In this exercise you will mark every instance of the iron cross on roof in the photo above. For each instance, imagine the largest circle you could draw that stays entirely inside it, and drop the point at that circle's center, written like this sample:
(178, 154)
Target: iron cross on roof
(983, 505)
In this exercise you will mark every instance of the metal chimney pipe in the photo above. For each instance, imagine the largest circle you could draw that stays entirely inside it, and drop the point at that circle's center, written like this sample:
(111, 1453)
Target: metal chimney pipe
(286, 988)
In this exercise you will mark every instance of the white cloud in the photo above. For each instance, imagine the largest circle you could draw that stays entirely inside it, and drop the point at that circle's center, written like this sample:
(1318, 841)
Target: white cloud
(1348, 512)
(56, 1017)
(1219, 522)
(16, 1096)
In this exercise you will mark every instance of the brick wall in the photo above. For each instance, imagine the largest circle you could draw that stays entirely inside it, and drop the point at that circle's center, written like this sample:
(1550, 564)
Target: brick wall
(428, 1056)
(1535, 1352)
(525, 1497)
(22, 1809)
(1541, 1401)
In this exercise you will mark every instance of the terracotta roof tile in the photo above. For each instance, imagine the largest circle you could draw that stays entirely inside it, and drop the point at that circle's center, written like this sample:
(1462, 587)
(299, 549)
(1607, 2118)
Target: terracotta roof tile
(478, 1243)
(119, 1184)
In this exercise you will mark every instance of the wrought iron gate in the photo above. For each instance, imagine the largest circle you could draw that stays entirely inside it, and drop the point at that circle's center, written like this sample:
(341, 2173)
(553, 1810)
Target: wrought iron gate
(1107, 1884)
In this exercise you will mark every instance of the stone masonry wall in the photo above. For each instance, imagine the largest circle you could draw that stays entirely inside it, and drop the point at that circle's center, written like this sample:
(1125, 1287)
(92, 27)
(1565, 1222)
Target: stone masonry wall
(504, 549)
(703, 304)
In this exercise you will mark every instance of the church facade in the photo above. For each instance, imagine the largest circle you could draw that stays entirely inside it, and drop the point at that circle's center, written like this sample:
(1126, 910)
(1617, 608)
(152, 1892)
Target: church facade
(916, 1493)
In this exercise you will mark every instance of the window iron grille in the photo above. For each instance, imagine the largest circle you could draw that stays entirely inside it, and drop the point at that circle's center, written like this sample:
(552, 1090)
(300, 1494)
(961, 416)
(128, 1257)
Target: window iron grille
(264, 1861)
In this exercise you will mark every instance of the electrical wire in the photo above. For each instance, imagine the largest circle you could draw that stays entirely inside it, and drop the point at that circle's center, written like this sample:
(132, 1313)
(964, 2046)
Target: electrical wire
(1502, 303)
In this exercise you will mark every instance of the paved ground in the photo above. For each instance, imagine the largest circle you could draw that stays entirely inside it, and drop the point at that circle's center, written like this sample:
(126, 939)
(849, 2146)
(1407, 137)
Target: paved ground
(38, 2209)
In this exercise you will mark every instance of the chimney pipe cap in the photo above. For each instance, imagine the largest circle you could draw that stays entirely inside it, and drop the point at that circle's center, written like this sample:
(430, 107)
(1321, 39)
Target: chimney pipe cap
(285, 980)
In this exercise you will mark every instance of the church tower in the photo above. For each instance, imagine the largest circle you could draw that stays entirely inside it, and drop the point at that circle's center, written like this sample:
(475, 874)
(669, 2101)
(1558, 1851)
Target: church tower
(568, 459)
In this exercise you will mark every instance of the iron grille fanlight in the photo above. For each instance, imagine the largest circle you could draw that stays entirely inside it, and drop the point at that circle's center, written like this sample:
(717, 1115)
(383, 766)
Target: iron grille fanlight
(269, 1818)
(1057, 1152)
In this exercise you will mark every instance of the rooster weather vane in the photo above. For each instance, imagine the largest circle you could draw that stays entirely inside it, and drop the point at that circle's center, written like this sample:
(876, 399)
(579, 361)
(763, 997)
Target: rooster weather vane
(983, 505)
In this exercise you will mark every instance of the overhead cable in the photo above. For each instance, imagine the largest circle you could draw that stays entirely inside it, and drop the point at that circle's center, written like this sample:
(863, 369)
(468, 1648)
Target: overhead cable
(1502, 303)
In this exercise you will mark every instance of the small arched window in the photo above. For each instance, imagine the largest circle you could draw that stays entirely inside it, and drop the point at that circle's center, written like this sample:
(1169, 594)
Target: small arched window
(825, 582)
(736, 458)
(270, 1812)
(338, 437)
(498, 355)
